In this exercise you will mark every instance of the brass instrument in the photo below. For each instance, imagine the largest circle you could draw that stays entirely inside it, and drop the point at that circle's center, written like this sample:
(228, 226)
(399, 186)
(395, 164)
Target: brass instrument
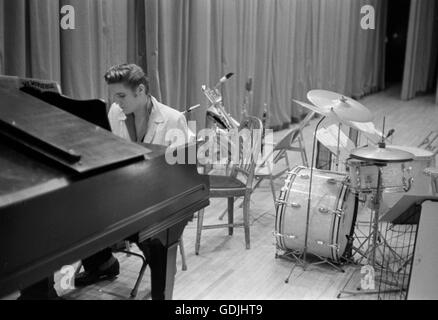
(220, 120)
(217, 111)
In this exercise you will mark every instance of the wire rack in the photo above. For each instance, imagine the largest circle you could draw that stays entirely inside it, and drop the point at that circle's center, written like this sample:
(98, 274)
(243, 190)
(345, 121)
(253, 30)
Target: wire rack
(397, 259)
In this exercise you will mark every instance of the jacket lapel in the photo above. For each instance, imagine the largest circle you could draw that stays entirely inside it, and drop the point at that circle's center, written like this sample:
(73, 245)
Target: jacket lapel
(155, 123)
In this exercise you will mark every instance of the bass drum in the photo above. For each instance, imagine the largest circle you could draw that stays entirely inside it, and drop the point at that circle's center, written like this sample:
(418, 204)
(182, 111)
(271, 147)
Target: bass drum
(331, 215)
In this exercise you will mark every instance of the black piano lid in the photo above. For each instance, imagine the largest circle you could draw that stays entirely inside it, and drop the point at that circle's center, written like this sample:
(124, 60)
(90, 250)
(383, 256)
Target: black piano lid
(61, 136)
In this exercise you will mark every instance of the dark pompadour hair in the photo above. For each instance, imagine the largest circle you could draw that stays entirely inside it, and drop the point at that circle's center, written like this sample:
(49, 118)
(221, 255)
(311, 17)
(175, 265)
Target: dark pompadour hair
(130, 75)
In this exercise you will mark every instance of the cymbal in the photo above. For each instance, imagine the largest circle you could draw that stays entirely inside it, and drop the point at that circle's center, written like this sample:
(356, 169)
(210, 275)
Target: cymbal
(379, 154)
(345, 108)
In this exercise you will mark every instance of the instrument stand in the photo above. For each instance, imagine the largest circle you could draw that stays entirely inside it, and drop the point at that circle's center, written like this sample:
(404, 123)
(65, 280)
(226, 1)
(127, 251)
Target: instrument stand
(298, 259)
(375, 240)
(338, 151)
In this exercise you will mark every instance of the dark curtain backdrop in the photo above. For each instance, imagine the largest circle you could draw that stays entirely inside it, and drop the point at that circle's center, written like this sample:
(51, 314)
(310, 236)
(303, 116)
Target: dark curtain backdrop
(421, 49)
(286, 47)
(36, 46)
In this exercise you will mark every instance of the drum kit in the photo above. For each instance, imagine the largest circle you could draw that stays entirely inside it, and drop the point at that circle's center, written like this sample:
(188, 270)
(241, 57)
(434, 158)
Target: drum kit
(316, 209)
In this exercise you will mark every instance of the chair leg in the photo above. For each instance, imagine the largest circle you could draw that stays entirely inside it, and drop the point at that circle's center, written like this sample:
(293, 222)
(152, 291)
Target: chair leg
(198, 231)
(183, 255)
(230, 215)
(246, 203)
(140, 275)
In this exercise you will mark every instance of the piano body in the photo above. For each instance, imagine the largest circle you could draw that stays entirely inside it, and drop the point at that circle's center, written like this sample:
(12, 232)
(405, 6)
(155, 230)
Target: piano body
(69, 188)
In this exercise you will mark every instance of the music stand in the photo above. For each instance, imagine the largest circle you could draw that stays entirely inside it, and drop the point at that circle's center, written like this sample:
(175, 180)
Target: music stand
(398, 248)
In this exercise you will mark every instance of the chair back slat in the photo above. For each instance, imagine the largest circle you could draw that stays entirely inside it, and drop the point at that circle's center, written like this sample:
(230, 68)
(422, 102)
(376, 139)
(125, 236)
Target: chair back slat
(249, 148)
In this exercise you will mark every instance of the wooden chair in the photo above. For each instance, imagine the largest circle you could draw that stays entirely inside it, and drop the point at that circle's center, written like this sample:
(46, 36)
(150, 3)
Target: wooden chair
(238, 183)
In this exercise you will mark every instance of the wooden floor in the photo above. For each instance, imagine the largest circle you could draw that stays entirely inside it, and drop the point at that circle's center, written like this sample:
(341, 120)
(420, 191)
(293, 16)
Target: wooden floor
(224, 269)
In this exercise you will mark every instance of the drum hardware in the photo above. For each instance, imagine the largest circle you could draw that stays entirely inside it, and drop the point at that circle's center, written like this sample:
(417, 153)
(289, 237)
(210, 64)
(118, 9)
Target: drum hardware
(338, 212)
(323, 210)
(295, 205)
(288, 236)
(380, 157)
(287, 204)
(407, 185)
(342, 108)
(388, 156)
(322, 243)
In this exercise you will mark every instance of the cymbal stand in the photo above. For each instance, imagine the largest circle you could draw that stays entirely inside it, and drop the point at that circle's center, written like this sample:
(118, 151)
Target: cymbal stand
(301, 257)
(375, 238)
(338, 151)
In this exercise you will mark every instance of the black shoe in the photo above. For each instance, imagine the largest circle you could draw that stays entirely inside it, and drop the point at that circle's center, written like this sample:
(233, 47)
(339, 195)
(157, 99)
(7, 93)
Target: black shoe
(87, 278)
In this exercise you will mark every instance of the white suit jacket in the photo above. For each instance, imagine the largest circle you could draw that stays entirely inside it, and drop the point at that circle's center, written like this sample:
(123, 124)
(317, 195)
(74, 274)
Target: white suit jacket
(161, 120)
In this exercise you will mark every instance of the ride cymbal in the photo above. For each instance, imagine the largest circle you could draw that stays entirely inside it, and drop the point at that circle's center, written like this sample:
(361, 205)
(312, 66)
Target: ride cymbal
(345, 108)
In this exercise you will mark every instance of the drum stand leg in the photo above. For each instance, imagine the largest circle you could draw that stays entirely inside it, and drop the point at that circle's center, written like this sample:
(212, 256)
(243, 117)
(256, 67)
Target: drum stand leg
(375, 241)
(299, 261)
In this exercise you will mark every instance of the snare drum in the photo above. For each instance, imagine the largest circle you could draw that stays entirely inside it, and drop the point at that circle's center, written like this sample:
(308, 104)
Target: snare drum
(395, 177)
(421, 182)
(330, 217)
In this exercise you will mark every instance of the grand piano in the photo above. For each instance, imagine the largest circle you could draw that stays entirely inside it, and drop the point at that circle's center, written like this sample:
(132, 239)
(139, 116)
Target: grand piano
(70, 188)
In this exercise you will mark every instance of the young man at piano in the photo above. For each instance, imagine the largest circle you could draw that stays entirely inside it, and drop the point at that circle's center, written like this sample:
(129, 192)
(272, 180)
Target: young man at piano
(137, 116)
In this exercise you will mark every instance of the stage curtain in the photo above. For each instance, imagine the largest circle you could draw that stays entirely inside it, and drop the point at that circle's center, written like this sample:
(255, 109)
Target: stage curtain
(99, 41)
(420, 49)
(36, 46)
(287, 47)
(31, 39)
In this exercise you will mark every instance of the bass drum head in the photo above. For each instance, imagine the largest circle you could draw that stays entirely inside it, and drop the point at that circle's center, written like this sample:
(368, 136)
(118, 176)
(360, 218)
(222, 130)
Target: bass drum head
(330, 217)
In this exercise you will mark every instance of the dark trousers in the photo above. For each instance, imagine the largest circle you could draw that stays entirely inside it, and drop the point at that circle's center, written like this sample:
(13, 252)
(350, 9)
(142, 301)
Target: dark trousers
(156, 257)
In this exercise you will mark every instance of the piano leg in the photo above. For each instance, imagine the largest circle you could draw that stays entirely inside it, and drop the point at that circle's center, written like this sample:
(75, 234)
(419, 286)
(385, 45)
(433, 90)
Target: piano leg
(161, 253)
(170, 270)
